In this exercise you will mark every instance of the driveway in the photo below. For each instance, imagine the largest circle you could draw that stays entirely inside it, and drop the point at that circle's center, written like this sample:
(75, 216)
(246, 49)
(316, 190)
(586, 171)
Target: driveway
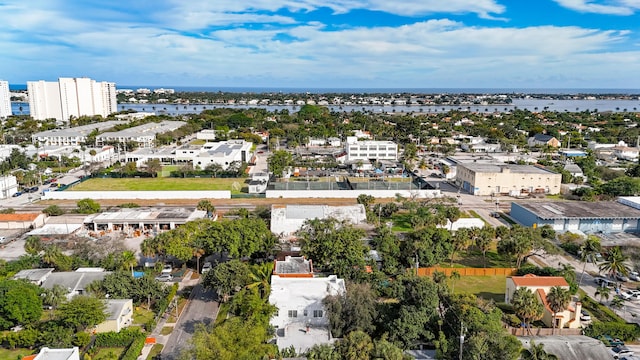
(202, 309)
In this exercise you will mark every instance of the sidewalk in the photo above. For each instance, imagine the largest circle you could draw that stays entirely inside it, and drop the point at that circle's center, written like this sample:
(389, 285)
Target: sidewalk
(163, 339)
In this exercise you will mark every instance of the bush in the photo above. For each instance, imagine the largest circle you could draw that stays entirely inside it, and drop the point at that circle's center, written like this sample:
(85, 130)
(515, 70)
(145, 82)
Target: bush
(129, 205)
(135, 348)
(53, 210)
(88, 206)
(624, 331)
(116, 339)
(81, 339)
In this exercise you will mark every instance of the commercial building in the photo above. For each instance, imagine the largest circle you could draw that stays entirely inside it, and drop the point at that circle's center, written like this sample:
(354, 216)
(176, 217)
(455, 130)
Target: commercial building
(301, 320)
(540, 286)
(222, 153)
(21, 221)
(493, 179)
(575, 216)
(143, 220)
(371, 150)
(71, 97)
(144, 135)
(71, 136)
(5, 100)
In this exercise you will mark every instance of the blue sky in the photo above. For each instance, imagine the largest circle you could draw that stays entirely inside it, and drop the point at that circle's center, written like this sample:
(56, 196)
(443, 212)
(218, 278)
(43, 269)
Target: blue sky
(325, 43)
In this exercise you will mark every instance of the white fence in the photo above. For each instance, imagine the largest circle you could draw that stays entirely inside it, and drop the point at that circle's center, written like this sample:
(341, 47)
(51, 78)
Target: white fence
(136, 195)
(351, 194)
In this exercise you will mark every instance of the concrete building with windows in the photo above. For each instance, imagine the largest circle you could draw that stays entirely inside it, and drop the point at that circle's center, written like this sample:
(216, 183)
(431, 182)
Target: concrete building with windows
(71, 136)
(301, 320)
(8, 186)
(493, 179)
(371, 150)
(577, 216)
(150, 220)
(5, 100)
(144, 135)
(71, 97)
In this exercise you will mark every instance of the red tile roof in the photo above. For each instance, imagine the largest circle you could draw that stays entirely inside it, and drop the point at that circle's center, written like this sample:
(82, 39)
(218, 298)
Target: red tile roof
(18, 217)
(537, 281)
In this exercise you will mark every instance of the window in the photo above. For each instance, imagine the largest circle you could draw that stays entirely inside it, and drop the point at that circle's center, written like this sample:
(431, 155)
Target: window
(293, 313)
(305, 313)
(317, 313)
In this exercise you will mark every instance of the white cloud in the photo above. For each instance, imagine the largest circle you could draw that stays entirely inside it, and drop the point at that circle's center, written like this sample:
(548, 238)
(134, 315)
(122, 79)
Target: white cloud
(620, 7)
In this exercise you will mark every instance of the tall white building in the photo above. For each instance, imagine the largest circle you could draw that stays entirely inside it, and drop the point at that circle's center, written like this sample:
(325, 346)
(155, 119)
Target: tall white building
(5, 100)
(71, 97)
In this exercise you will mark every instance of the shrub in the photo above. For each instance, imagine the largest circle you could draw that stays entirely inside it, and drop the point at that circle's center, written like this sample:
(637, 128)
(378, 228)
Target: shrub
(53, 210)
(135, 348)
(116, 339)
(88, 206)
(129, 205)
(81, 339)
(626, 332)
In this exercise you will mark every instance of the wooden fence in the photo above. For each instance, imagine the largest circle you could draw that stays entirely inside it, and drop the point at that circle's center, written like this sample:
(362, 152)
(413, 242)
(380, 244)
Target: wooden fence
(469, 271)
(543, 331)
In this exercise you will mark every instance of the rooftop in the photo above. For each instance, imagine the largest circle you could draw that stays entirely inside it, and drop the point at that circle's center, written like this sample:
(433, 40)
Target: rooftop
(19, 217)
(500, 167)
(569, 347)
(293, 265)
(83, 130)
(33, 275)
(58, 354)
(538, 281)
(115, 308)
(148, 129)
(141, 215)
(296, 335)
(550, 210)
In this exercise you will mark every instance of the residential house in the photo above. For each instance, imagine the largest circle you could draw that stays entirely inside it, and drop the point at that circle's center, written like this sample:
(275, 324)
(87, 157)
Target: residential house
(575, 171)
(542, 140)
(34, 276)
(75, 282)
(626, 153)
(287, 219)
(119, 315)
(301, 320)
(55, 354)
(540, 286)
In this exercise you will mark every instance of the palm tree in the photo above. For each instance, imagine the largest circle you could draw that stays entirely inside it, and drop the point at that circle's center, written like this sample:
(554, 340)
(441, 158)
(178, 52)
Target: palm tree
(454, 276)
(33, 245)
(54, 297)
(588, 251)
(260, 275)
(536, 352)
(617, 303)
(558, 300)
(603, 292)
(459, 242)
(483, 242)
(526, 306)
(128, 260)
(51, 255)
(614, 263)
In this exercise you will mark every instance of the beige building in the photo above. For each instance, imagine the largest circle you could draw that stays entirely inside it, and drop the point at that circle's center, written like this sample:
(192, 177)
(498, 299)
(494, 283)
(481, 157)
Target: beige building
(540, 286)
(119, 315)
(493, 179)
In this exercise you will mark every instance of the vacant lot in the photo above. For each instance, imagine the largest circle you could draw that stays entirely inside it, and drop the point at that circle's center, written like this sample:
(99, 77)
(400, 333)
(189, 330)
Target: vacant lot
(486, 287)
(6, 354)
(234, 185)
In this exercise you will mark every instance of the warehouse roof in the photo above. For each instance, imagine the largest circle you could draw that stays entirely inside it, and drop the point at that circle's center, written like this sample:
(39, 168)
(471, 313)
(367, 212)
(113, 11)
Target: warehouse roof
(509, 168)
(550, 210)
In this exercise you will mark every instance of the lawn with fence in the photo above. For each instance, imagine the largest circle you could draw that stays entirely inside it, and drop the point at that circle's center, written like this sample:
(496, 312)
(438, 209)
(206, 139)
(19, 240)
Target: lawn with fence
(235, 185)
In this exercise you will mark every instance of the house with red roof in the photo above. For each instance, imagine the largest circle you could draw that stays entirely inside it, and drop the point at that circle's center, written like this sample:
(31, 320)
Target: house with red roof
(540, 286)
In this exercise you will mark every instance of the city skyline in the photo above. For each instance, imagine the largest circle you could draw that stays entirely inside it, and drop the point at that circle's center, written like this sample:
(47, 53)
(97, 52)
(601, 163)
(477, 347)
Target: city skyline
(335, 44)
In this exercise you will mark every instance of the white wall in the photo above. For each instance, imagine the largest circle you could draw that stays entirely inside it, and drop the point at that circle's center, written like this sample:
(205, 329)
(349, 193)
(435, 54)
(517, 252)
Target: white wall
(142, 195)
(350, 194)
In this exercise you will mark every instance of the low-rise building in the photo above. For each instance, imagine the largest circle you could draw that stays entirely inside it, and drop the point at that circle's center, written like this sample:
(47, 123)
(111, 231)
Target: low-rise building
(626, 153)
(21, 221)
(71, 136)
(543, 140)
(144, 135)
(148, 220)
(540, 286)
(287, 219)
(55, 354)
(301, 320)
(8, 186)
(34, 276)
(492, 179)
(371, 150)
(75, 282)
(119, 315)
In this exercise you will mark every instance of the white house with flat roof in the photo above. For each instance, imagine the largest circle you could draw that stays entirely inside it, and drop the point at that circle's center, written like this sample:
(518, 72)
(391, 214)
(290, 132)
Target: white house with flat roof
(71, 136)
(367, 150)
(287, 219)
(144, 135)
(57, 354)
(301, 320)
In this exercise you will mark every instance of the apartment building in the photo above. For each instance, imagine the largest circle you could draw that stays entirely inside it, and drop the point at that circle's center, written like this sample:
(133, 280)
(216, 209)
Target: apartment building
(71, 97)
(370, 149)
(5, 100)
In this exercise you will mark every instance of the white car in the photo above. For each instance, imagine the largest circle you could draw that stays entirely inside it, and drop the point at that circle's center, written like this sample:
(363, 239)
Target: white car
(620, 351)
(584, 316)
(206, 267)
(625, 295)
(164, 277)
(167, 269)
(634, 276)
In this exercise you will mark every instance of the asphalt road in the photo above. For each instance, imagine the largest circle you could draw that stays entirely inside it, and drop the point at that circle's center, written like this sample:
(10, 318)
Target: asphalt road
(202, 309)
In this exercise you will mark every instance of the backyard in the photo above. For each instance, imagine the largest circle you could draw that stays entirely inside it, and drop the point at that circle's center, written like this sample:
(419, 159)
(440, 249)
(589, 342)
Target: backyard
(486, 287)
(235, 185)
(6, 354)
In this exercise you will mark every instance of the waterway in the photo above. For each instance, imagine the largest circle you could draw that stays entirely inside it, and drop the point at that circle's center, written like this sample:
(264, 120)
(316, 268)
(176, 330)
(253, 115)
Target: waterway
(528, 104)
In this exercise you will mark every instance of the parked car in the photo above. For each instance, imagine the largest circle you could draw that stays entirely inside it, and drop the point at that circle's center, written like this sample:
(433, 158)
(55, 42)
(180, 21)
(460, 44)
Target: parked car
(17, 193)
(3, 239)
(604, 282)
(622, 278)
(584, 316)
(495, 214)
(624, 295)
(206, 267)
(609, 341)
(619, 351)
(634, 276)
(164, 277)
(167, 269)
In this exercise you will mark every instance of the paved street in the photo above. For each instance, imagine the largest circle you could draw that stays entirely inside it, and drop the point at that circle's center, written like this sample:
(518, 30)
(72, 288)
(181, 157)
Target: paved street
(202, 309)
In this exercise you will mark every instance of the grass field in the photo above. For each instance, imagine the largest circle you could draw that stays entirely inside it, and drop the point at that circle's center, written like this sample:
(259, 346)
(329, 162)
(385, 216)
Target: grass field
(109, 353)
(6, 354)
(160, 184)
(486, 287)
(142, 316)
(166, 330)
(155, 350)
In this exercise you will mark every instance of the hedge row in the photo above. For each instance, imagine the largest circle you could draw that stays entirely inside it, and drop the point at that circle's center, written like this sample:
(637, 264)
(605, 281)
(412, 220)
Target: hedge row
(117, 339)
(134, 350)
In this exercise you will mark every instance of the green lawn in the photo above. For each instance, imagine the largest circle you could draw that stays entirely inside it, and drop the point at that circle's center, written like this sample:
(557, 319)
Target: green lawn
(486, 287)
(6, 354)
(167, 169)
(109, 353)
(474, 259)
(155, 350)
(166, 330)
(234, 185)
(401, 222)
(142, 316)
